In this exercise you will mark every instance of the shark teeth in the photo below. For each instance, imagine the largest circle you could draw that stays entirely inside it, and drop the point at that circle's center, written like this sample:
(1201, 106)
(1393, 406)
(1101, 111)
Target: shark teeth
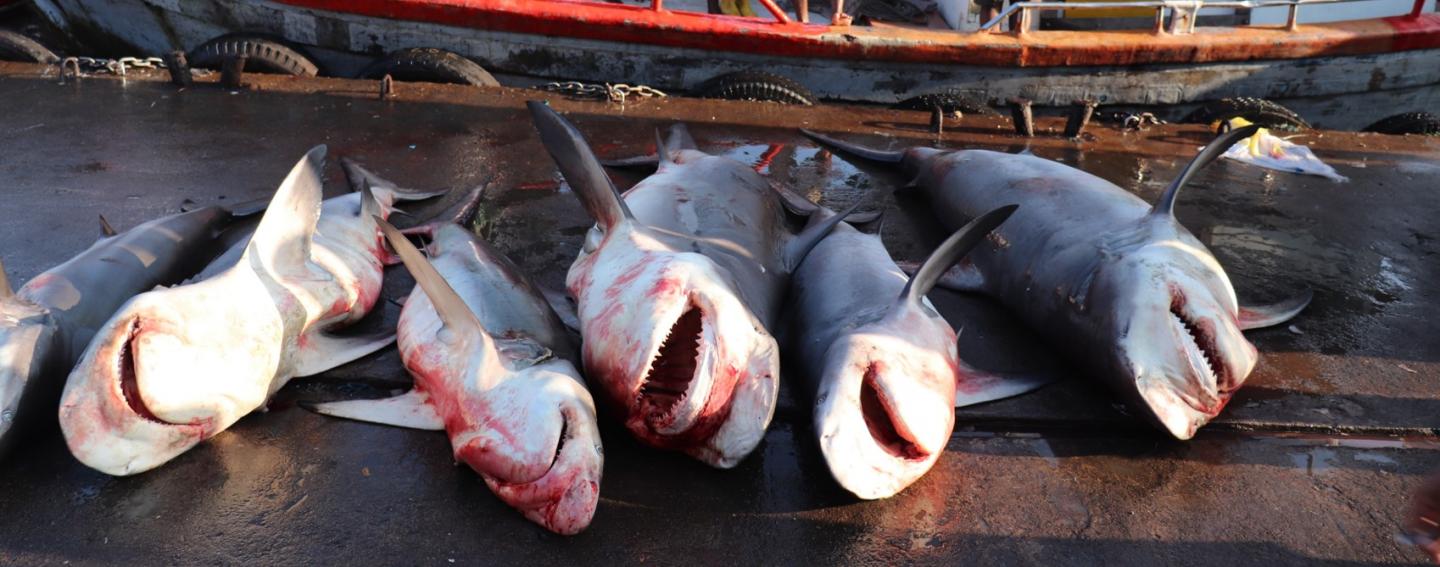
(672, 372)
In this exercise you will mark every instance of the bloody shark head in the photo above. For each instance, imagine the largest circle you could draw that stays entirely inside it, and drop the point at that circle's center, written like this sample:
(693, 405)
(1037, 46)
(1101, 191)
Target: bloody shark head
(1168, 316)
(667, 338)
(672, 346)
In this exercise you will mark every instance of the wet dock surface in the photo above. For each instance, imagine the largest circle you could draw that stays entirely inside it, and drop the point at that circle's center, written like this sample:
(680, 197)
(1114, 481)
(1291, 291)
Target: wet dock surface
(1312, 463)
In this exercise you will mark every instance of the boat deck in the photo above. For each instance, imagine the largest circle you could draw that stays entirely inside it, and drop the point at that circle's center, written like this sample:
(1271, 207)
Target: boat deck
(1312, 463)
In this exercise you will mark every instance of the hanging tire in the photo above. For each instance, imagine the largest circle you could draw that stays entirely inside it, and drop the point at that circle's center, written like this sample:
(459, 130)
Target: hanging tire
(16, 47)
(1422, 123)
(1256, 110)
(263, 55)
(758, 86)
(948, 102)
(430, 65)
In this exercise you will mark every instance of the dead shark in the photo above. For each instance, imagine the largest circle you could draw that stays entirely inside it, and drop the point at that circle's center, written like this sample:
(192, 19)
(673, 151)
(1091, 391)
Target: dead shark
(881, 359)
(1117, 284)
(46, 324)
(176, 366)
(677, 289)
(494, 368)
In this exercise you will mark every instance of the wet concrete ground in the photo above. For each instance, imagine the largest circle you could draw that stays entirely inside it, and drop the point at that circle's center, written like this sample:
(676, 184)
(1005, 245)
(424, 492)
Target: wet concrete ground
(1311, 464)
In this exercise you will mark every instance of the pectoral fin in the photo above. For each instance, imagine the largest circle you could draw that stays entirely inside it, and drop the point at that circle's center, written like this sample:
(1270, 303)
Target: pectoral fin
(322, 351)
(410, 410)
(977, 386)
(1259, 316)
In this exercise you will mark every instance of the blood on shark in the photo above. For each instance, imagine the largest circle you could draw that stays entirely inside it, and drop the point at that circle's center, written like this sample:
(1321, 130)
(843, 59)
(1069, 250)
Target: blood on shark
(176, 366)
(677, 288)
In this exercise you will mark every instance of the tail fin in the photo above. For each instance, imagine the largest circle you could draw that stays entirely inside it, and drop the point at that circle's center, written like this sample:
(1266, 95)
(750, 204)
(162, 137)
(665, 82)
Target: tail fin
(1166, 204)
(855, 150)
(579, 166)
(950, 251)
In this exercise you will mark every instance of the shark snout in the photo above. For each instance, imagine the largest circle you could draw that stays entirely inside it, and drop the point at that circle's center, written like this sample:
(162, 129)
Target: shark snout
(883, 417)
(562, 488)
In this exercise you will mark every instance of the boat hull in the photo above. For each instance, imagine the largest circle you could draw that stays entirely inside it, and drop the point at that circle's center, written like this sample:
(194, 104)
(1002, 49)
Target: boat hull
(1333, 91)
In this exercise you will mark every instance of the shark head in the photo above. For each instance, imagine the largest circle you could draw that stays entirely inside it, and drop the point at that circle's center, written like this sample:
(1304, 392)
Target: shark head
(1171, 325)
(885, 409)
(30, 350)
(550, 467)
(674, 348)
(171, 369)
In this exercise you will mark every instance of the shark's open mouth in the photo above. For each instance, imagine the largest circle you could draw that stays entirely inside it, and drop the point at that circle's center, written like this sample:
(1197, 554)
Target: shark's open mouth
(888, 432)
(129, 382)
(672, 372)
(1201, 335)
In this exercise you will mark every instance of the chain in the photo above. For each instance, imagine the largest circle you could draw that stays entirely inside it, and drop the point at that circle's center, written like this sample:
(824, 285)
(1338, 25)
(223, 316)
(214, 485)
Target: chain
(112, 66)
(618, 92)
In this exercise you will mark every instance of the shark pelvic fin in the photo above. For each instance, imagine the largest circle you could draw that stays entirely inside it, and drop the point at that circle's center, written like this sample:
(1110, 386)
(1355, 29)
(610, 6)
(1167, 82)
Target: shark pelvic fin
(105, 229)
(579, 166)
(323, 351)
(1211, 152)
(388, 192)
(411, 410)
(855, 150)
(951, 250)
(977, 386)
(1260, 316)
(284, 236)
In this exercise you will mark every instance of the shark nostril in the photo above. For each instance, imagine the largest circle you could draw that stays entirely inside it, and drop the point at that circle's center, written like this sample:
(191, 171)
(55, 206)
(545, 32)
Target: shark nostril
(129, 380)
(880, 422)
(673, 370)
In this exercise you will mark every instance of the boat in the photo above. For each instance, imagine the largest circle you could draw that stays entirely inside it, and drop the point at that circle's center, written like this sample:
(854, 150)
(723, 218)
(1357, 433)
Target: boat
(1341, 64)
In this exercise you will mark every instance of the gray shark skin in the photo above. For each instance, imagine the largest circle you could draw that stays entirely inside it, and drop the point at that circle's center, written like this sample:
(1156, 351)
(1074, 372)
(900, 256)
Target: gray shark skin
(1119, 286)
(47, 323)
(880, 359)
(678, 289)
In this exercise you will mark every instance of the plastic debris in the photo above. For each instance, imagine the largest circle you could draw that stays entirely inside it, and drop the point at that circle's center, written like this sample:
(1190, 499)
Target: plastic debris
(1273, 152)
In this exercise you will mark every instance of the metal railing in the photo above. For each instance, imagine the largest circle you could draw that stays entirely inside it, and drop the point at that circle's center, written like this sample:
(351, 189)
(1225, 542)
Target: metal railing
(1182, 12)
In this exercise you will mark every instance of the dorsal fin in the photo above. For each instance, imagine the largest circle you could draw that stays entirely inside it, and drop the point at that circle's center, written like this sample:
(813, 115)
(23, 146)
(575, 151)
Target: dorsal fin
(950, 251)
(680, 139)
(5, 289)
(286, 231)
(814, 232)
(454, 313)
(662, 153)
(579, 166)
(1166, 204)
(369, 205)
(105, 229)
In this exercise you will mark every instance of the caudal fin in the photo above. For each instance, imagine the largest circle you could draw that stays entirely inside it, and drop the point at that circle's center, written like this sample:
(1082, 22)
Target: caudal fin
(855, 150)
(582, 170)
(950, 251)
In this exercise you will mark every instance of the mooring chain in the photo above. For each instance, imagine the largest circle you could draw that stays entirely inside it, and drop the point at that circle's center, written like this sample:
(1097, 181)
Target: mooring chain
(112, 66)
(617, 92)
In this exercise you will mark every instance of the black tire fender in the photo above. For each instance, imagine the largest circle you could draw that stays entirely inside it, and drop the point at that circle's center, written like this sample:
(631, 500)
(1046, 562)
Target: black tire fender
(1257, 110)
(263, 55)
(758, 86)
(429, 65)
(1423, 123)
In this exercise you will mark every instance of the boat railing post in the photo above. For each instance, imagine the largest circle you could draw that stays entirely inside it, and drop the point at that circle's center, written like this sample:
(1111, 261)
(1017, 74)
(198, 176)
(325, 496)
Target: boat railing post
(839, 18)
(1159, 19)
(1293, 19)
(1418, 9)
(657, 5)
(1182, 17)
(802, 11)
(1022, 24)
(775, 10)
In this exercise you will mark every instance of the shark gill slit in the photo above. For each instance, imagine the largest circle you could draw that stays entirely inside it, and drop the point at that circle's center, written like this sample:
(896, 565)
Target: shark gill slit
(881, 423)
(673, 370)
(1203, 341)
(129, 381)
